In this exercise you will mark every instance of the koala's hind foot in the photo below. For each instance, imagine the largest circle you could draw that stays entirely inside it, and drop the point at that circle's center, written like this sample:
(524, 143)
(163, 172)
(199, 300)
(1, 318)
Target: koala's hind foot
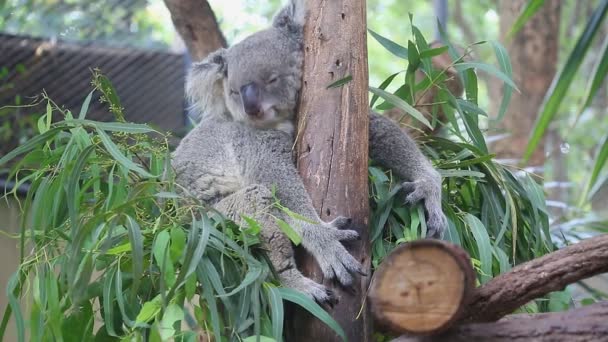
(323, 241)
(256, 202)
(430, 193)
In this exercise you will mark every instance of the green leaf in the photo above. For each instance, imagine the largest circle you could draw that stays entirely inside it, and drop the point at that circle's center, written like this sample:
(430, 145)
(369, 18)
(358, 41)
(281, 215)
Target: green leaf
(487, 68)
(429, 53)
(312, 307)
(162, 255)
(253, 274)
(383, 86)
(119, 156)
(276, 310)
(85, 106)
(505, 65)
(30, 144)
(172, 314)
(136, 240)
(290, 232)
(461, 173)
(391, 46)
(149, 310)
(402, 105)
(557, 92)
(531, 8)
(600, 162)
(599, 71)
(484, 247)
(123, 127)
(13, 287)
(258, 339)
(340, 82)
(254, 226)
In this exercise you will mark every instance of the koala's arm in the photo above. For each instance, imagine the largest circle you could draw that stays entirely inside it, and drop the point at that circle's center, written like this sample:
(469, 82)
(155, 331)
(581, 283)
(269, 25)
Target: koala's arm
(269, 163)
(390, 147)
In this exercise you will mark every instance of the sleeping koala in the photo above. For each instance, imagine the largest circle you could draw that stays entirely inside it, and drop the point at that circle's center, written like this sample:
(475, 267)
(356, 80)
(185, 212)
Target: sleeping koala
(246, 98)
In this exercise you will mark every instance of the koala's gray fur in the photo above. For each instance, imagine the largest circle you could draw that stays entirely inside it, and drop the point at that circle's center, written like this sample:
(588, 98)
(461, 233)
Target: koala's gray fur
(246, 98)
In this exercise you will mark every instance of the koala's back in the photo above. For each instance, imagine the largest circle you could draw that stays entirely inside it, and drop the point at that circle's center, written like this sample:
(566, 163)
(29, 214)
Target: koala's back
(218, 158)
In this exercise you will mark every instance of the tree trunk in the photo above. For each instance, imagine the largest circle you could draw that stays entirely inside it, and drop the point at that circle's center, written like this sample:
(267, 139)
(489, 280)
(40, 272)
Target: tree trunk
(196, 24)
(585, 324)
(332, 149)
(533, 51)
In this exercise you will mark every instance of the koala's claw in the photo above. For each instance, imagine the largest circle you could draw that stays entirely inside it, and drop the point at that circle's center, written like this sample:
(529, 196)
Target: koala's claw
(323, 242)
(436, 224)
(424, 190)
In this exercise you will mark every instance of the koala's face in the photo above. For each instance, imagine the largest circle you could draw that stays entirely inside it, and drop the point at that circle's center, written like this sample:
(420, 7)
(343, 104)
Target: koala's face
(263, 78)
(256, 81)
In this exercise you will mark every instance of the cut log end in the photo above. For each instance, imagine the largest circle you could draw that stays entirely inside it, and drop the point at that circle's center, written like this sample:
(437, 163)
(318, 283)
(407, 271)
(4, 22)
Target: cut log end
(422, 287)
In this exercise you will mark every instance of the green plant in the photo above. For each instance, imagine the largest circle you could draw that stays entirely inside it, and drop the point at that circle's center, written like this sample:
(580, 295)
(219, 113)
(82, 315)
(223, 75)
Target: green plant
(113, 237)
(496, 213)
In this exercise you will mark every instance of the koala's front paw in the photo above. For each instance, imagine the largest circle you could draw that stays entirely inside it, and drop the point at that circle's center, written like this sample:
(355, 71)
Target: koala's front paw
(430, 193)
(323, 242)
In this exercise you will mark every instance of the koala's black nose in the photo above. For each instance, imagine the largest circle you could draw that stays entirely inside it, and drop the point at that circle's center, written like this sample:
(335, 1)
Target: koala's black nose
(250, 94)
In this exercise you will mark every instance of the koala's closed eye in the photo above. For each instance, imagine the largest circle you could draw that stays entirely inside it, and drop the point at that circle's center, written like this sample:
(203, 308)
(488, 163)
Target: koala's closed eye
(273, 79)
(233, 92)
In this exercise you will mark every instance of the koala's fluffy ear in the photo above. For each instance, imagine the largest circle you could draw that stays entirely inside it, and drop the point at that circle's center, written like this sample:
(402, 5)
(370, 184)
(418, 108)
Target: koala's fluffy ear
(204, 86)
(293, 15)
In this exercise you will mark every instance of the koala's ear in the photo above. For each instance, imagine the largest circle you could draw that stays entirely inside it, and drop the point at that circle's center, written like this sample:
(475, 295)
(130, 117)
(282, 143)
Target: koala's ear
(204, 85)
(293, 15)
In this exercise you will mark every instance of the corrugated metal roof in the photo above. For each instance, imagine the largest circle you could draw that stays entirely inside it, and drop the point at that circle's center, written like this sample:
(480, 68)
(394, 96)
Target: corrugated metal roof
(149, 83)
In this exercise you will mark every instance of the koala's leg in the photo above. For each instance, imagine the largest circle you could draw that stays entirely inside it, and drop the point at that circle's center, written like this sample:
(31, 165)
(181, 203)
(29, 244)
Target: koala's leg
(392, 148)
(255, 201)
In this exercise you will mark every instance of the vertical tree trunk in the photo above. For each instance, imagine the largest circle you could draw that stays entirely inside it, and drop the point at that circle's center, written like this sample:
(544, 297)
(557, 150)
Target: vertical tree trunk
(533, 51)
(196, 24)
(333, 148)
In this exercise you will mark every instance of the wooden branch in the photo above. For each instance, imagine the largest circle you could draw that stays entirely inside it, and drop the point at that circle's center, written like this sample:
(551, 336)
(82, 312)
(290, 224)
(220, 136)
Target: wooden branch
(552, 272)
(332, 149)
(439, 304)
(196, 24)
(583, 324)
(422, 287)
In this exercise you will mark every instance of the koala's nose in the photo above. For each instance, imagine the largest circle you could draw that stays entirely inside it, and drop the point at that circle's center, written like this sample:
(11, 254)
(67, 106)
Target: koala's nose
(250, 94)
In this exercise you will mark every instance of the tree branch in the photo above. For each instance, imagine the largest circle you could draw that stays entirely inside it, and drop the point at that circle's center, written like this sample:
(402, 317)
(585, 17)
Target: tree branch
(583, 324)
(197, 25)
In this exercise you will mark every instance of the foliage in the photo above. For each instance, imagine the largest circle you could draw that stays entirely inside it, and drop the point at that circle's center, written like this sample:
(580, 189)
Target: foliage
(114, 237)
(497, 214)
(133, 22)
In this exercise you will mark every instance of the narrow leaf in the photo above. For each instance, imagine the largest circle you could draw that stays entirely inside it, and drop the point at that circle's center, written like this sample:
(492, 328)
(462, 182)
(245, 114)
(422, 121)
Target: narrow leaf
(390, 45)
(557, 92)
(402, 105)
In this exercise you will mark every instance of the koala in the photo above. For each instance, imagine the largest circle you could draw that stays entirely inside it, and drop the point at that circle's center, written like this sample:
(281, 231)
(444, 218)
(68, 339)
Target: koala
(246, 98)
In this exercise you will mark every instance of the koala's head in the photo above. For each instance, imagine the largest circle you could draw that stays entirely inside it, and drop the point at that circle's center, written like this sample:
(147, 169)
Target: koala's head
(256, 81)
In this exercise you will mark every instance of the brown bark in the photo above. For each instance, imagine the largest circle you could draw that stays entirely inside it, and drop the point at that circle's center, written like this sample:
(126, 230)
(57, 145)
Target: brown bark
(422, 287)
(333, 148)
(577, 325)
(196, 24)
(552, 272)
(490, 302)
(533, 51)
